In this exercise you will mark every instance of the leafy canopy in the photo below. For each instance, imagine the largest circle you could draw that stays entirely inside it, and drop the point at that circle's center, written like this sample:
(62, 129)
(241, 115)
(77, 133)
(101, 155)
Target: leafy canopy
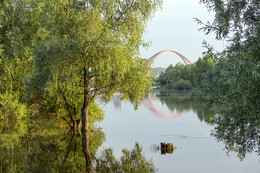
(102, 38)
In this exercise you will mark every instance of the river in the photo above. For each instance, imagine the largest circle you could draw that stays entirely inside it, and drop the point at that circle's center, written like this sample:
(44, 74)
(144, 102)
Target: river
(201, 144)
(181, 119)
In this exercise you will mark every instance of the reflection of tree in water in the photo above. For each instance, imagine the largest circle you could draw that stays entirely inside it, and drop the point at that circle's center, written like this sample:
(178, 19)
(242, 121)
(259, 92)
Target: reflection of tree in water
(27, 147)
(177, 101)
(185, 101)
(239, 132)
(47, 146)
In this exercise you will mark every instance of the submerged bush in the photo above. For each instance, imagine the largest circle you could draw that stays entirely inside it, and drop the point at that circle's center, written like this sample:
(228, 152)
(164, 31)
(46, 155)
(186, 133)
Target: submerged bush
(130, 161)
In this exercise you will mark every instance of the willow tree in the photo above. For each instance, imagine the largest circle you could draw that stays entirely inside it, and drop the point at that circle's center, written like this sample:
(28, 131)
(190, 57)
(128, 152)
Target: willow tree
(16, 32)
(86, 49)
(238, 23)
(234, 80)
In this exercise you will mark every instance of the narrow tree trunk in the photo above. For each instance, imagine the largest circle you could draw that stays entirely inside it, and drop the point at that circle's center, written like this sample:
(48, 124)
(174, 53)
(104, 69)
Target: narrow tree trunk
(84, 125)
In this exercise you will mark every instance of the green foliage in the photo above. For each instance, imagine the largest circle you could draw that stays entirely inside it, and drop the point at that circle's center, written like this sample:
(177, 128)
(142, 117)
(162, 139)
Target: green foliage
(11, 108)
(238, 23)
(15, 51)
(68, 53)
(239, 134)
(66, 37)
(103, 38)
(86, 50)
(235, 82)
(181, 77)
(16, 57)
(129, 162)
(182, 84)
(237, 129)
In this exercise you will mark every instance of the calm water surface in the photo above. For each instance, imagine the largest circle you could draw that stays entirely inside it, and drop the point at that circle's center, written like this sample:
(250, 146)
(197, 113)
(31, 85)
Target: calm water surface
(48, 145)
(179, 119)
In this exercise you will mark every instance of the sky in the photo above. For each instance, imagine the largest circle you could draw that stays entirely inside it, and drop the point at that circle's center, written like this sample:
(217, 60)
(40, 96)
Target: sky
(173, 27)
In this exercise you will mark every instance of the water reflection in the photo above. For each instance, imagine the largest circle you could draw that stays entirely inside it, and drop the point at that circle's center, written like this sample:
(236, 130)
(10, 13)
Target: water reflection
(178, 103)
(50, 146)
(45, 146)
(240, 134)
(186, 101)
(148, 103)
(163, 148)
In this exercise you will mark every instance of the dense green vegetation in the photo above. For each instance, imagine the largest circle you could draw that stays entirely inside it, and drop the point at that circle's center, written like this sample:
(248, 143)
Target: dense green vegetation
(58, 56)
(16, 58)
(185, 77)
(234, 80)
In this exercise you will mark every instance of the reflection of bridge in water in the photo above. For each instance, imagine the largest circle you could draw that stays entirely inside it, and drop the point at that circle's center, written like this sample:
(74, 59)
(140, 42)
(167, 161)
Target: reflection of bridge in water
(149, 104)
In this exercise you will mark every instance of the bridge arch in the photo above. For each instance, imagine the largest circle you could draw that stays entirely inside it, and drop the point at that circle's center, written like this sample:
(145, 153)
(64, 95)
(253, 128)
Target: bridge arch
(152, 59)
(151, 105)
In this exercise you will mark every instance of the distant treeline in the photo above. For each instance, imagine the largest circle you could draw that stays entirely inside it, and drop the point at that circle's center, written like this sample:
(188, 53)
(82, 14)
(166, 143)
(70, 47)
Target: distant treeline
(185, 77)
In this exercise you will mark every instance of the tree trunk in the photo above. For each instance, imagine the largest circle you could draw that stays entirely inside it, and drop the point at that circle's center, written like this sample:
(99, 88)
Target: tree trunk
(84, 125)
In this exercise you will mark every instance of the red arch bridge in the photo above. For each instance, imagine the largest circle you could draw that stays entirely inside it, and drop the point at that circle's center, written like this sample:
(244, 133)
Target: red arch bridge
(148, 102)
